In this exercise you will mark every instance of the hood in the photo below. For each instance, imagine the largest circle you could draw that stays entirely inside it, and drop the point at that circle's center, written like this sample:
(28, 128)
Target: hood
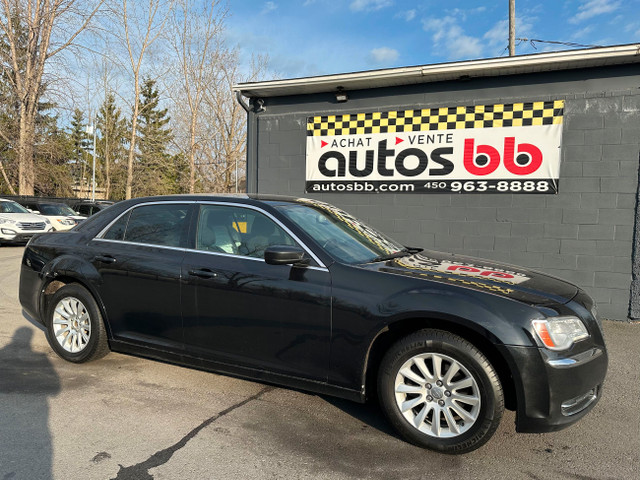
(77, 218)
(483, 275)
(22, 217)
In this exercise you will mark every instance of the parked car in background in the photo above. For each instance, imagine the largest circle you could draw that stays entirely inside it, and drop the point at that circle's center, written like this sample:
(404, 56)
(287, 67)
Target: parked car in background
(88, 208)
(61, 216)
(18, 225)
(300, 293)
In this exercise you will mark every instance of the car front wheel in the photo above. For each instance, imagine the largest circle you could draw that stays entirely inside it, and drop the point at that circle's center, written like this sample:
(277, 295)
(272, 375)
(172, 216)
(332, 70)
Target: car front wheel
(440, 392)
(75, 329)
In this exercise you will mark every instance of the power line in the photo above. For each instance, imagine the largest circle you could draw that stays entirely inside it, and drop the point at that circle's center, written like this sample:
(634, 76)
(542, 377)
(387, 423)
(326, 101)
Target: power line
(533, 41)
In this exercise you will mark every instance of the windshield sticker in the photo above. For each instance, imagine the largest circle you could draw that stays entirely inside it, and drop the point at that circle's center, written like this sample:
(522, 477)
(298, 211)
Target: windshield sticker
(498, 148)
(421, 262)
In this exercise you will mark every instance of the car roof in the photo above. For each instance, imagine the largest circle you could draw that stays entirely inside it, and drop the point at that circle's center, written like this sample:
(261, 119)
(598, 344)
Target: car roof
(223, 197)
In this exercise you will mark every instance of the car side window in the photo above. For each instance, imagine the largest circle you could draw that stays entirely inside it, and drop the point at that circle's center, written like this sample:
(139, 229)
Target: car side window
(116, 231)
(161, 224)
(238, 231)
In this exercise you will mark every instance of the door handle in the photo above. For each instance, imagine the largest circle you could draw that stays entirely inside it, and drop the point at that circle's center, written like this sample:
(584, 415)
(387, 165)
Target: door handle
(203, 273)
(104, 259)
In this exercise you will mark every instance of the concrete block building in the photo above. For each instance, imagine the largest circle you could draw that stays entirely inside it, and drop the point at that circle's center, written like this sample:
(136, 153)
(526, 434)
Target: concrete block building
(531, 160)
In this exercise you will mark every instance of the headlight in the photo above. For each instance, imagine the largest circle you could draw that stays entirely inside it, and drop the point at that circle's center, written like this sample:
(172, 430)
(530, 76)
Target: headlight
(67, 221)
(560, 333)
(46, 220)
(8, 221)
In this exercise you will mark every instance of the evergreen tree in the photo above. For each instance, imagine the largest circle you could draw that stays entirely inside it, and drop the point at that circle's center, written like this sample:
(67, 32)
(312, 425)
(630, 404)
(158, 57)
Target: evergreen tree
(53, 170)
(80, 146)
(111, 147)
(157, 170)
(9, 111)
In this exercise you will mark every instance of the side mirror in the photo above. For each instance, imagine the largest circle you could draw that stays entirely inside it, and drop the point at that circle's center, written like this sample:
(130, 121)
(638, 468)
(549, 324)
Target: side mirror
(285, 255)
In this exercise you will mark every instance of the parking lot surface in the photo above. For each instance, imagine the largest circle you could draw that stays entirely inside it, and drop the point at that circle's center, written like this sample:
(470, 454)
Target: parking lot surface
(130, 418)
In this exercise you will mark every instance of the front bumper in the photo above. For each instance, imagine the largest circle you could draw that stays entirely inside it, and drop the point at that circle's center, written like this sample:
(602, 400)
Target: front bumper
(556, 391)
(18, 237)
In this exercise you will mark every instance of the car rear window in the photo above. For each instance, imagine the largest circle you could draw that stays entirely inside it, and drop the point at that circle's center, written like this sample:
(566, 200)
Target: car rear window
(162, 224)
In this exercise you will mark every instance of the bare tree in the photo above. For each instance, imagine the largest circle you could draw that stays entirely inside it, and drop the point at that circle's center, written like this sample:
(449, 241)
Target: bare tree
(142, 27)
(195, 36)
(226, 124)
(6, 179)
(34, 32)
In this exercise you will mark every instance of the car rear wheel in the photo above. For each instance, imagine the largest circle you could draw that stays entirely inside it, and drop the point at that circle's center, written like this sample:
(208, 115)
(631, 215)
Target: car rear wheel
(440, 392)
(75, 329)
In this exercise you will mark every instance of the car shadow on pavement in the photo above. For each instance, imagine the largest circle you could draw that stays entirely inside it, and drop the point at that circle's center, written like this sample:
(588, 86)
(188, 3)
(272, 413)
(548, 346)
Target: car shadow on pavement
(369, 413)
(27, 380)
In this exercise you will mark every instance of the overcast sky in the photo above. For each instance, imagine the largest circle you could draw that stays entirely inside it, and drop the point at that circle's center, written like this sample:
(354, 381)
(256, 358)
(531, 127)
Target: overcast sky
(315, 37)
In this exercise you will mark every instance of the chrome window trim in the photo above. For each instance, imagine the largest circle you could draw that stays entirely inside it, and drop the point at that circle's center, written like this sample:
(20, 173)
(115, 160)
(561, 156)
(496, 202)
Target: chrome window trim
(180, 249)
(244, 257)
(153, 245)
(321, 266)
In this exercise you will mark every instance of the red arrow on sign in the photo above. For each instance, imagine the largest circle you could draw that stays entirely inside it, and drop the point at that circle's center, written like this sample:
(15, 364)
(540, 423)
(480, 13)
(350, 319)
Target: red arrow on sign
(323, 144)
(399, 140)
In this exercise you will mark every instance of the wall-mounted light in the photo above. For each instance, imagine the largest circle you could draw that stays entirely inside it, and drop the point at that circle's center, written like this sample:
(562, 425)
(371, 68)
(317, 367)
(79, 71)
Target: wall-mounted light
(259, 102)
(341, 95)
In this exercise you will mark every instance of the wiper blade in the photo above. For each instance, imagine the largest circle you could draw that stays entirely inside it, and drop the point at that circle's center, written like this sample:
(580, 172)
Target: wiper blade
(390, 256)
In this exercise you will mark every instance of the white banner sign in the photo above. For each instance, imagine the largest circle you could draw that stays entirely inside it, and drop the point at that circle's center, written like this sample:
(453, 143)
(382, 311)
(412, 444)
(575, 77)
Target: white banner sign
(511, 148)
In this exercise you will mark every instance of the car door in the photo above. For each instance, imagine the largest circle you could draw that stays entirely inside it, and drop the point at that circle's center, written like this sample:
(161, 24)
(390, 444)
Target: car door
(241, 310)
(139, 257)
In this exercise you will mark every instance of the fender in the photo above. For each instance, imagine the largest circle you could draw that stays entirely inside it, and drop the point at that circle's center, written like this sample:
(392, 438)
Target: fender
(500, 320)
(460, 311)
(77, 268)
(474, 310)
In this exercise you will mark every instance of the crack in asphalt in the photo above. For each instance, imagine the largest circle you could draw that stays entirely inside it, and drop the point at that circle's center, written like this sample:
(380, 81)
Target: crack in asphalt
(140, 471)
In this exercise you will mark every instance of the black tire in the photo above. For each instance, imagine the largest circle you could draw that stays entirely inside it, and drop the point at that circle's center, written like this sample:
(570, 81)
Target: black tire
(449, 433)
(75, 303)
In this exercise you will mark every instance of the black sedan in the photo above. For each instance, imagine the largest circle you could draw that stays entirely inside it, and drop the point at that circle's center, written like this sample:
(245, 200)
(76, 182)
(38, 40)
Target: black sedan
(300, 293)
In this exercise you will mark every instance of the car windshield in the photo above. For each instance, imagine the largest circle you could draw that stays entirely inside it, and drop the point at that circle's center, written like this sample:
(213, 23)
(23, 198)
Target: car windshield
(343, 236)
(56, 209)
(12, 207)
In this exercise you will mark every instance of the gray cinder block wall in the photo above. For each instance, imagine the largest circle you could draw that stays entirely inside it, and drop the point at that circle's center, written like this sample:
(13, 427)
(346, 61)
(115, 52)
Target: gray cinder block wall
(584, 234)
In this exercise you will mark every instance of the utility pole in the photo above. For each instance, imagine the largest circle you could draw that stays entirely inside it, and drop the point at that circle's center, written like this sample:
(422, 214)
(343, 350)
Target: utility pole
(91, 130)
(512, 28)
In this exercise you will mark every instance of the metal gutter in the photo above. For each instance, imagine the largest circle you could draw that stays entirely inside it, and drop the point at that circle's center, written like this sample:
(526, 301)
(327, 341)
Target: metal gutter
(539, 62)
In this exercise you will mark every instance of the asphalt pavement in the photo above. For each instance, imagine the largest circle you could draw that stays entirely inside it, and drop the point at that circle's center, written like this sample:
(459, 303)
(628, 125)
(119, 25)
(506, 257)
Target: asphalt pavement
(130, 418)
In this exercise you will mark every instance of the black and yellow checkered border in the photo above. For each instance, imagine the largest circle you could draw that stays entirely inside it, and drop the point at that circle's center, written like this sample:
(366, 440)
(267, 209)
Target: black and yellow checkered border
(444, 118)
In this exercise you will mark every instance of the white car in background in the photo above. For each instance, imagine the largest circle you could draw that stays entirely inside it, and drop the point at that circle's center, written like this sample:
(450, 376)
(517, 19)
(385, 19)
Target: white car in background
(18, 225)
(61, 216)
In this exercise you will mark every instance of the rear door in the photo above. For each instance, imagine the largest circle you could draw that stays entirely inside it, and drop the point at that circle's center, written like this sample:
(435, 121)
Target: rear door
(240, 310)
(139, 259)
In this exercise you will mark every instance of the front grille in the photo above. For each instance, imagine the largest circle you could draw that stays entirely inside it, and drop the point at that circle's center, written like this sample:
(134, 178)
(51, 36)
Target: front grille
(31, 226)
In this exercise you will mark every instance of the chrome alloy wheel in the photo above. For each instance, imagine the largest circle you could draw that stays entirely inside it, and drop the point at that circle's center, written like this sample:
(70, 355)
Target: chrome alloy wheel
(71, 324)
(437, 395)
